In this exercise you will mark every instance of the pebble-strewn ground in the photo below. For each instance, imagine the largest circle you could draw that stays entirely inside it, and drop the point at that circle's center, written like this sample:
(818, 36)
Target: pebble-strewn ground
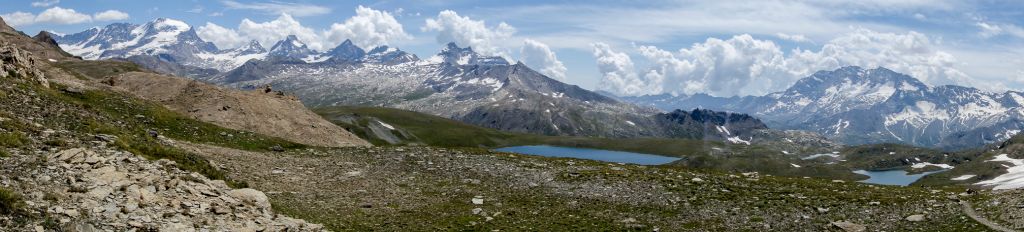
(100, 189)
(420, 188)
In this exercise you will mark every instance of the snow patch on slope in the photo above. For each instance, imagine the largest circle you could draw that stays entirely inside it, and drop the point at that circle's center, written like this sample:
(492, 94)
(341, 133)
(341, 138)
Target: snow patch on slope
(1014, 177)
(926, 164)
(964, 177)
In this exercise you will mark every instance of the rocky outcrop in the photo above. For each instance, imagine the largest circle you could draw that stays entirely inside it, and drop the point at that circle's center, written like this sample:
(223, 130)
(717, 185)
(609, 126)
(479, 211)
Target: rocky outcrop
(46, 38)
(4, 27)
(17, 63)
(99, 189)
(709, 124)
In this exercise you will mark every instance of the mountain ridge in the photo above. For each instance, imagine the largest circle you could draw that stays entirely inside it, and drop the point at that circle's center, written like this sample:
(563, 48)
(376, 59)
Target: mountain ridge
(858, 106)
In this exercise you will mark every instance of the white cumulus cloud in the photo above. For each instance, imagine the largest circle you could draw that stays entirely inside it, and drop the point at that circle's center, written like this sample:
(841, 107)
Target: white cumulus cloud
(451, 27)
(369, 28)
(538, 55)
(58, 15)
(743, 65)
(739, 65)
(618, 73)
(268, 33)
(277, 8)
(45, 3)
(989, 30)
(221, 36)
(992, 29)
(19, 18)
(795, 38)
(110, 15)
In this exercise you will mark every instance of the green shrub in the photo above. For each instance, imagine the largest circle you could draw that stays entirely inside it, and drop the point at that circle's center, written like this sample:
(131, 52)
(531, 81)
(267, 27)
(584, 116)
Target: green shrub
(13, 139)
(56, 143)
(10, 202)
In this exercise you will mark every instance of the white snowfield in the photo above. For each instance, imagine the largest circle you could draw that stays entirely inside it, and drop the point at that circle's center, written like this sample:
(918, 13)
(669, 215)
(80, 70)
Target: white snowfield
(926, 164)
(738, 140)
(964, 177)
(1014, 177)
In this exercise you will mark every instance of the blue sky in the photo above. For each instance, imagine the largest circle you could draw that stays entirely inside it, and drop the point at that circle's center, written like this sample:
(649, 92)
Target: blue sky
(626, 47)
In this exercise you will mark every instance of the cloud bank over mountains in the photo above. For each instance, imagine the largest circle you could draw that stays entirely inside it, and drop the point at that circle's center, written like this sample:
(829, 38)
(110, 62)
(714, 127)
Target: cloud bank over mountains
(744, 65)
(723, 48)
(451, 27)
(58, 15)
(368, 28)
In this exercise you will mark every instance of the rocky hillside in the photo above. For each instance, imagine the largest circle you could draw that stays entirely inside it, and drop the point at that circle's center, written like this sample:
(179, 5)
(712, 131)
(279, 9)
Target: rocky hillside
(860, 106)
(70, 161)
(262, 111)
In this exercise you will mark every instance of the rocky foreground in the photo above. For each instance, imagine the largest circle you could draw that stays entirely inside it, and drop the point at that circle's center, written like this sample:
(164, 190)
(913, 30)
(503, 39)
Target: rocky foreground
(430, 189)
(101, 189)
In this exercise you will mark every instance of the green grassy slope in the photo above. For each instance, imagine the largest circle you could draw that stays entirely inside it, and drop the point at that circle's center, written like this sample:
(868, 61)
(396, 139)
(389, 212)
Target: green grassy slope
(712, 155)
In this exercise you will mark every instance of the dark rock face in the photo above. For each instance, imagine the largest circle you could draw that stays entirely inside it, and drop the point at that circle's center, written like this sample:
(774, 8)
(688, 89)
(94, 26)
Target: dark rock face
(346, 51)
(46, 38)
(290, 49)
(709, 124)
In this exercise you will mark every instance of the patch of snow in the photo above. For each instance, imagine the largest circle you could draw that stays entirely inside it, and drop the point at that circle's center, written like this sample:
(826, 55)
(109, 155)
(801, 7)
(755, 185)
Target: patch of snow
(840, 125)
(386, 125)
(1006, 134)
(722, 129)
(919, 115)
(738, 140)
(815, 156)
(1014, 177)
(926, 164)
(315, 58)
(630, 123)
(794, 165)
(964, 177)
(495, 84)
(907, 87)
(803, 101)
(785, 152)
(433, 60)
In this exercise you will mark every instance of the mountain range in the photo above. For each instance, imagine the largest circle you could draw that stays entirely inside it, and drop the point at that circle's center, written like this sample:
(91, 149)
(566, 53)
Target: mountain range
(855, 105)
(456, 83)
(852, 105)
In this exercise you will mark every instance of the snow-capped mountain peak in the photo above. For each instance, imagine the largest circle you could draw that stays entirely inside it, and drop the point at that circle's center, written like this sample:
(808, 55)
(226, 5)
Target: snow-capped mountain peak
(453, 54)
(291, 49)
(346, 51)
(253, 47)
(857, 105)
(389, 55)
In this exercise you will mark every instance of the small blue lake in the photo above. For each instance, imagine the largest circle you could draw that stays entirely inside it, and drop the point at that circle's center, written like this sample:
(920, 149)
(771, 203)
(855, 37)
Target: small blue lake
(892, 177)
(591, 154)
